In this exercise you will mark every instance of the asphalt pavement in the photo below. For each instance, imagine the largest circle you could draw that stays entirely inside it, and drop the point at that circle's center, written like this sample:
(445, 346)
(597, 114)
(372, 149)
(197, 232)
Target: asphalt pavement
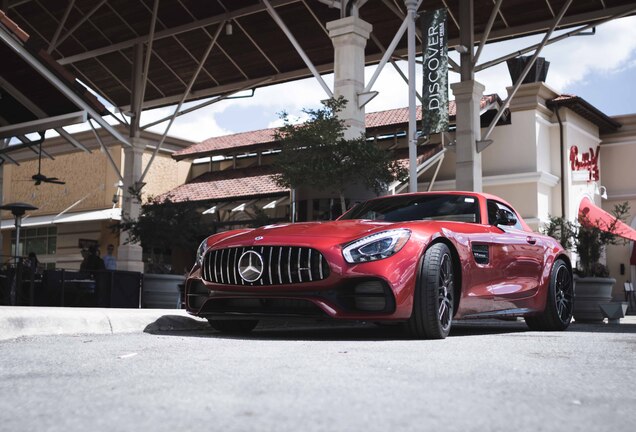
(160, 370)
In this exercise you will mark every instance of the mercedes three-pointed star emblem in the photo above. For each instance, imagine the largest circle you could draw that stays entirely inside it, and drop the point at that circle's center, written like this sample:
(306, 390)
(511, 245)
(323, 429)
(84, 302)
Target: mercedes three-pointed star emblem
(250, 266)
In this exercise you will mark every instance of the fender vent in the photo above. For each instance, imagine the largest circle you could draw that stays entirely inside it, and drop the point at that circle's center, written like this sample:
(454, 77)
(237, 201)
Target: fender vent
(481, 254)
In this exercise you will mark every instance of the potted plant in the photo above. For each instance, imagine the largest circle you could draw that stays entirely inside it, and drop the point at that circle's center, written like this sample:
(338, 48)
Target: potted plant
(589, 239)
(163, 226)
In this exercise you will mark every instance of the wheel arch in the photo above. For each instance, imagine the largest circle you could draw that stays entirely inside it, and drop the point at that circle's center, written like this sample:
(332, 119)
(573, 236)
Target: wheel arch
(565, 258)
(457, 267)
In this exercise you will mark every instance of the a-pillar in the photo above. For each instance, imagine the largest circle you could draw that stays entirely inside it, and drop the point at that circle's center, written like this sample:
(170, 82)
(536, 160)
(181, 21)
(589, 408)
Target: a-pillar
(130, 255)
(349, 37)
(468, 96)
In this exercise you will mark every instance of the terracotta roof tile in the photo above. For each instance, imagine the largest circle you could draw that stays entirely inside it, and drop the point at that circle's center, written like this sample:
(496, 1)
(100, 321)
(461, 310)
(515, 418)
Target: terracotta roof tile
(226, 185)
(242, 140)
(248, 140)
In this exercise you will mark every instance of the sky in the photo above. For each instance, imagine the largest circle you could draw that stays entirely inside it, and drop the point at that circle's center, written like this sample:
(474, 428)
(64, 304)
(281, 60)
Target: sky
(600, 68)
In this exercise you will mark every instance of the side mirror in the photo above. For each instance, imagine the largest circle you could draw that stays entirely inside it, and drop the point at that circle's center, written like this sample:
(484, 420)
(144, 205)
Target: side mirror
(505, 217)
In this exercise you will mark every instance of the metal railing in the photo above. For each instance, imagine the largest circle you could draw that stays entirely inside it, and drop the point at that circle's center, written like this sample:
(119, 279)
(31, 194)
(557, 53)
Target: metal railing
(23, 286)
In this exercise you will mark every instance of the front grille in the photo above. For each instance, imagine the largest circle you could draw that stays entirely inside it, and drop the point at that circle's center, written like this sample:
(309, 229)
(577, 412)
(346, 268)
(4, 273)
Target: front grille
(282, 265)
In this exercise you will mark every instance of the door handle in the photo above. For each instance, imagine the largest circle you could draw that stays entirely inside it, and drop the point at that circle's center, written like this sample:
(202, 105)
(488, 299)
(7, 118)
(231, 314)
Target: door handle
(531, 240)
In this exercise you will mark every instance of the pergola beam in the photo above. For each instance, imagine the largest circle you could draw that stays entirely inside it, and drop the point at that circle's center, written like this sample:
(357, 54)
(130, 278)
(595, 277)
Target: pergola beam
(183, 99)
(43, 124)
(58, 83)
(491, 21)
(553, 40)
(60, 26)
(299, 49)
(485, 139)
(85, 17)
(38, 112)
(228, 16)
(151, 39)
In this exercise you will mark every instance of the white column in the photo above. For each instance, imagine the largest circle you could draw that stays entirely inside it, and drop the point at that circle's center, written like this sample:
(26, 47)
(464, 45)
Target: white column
(468, 96)
(129, 255)
(349, 36)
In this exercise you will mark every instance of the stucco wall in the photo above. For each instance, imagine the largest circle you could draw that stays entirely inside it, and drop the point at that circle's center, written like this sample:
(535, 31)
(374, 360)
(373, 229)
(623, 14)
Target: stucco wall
(618, 175)
(165, 174)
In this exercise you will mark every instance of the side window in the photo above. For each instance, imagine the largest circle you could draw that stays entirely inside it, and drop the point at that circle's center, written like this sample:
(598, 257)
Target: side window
(494, 207)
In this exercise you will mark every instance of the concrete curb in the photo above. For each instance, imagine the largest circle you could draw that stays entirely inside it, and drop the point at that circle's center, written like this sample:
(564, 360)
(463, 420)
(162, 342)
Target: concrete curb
(19, 321)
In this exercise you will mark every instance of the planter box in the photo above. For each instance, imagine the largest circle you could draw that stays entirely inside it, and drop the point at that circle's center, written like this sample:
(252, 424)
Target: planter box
(589, 294)
(161, 291)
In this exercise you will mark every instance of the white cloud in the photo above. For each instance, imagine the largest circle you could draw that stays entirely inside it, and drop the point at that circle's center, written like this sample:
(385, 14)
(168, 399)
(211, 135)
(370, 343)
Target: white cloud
(195, 126)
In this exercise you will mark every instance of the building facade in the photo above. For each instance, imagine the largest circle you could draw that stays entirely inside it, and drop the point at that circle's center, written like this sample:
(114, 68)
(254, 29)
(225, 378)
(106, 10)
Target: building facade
(79, 213)
(549, 151)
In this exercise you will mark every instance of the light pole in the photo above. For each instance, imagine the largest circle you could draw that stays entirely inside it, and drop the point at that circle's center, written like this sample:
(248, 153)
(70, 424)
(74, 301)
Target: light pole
(18, 210)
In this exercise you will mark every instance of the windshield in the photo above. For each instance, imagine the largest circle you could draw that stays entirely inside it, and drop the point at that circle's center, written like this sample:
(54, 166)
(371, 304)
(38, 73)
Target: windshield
(458, 208)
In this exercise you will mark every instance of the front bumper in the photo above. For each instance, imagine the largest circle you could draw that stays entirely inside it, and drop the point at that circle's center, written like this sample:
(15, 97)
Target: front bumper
(378, 290)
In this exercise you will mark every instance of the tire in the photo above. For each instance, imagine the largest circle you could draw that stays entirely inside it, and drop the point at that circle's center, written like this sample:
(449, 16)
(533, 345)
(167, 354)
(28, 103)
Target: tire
(557, 314)
(233, 326)
(433, 303)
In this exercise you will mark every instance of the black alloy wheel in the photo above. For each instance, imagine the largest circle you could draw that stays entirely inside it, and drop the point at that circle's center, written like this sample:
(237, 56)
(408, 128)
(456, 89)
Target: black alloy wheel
(557, 314)
(433, 305)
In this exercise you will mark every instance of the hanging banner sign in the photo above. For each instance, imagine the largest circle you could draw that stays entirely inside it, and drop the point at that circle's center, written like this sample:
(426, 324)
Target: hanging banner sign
(435, 90)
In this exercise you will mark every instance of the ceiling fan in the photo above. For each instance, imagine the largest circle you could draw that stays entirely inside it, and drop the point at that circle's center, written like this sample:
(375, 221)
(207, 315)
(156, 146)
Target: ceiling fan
(40, 178)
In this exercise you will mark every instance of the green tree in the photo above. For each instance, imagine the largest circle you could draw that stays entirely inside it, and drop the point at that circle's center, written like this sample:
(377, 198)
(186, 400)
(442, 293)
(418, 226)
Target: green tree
(162, 226)
(316, 154)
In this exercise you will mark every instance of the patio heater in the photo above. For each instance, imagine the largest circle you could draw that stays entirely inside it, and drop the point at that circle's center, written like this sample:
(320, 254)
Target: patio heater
(18, 210)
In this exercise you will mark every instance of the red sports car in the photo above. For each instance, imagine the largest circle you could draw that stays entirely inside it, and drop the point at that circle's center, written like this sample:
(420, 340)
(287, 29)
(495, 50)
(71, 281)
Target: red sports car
(423, 259)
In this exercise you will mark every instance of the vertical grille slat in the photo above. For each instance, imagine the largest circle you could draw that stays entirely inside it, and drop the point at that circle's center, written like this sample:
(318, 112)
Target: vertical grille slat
(242, 280)
(221, 265)
(299, 267)
(289, 272)
(262, 279)
(269, 265)
(280, 273)
(234, 266)
(282, 265)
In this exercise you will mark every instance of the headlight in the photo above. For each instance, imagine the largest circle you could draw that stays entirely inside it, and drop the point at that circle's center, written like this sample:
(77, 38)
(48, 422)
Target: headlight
(200, 251)
(377, 246)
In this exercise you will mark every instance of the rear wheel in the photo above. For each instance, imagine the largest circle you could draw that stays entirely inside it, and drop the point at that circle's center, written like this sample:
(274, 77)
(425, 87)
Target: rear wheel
(233, 326)
(559, 304)
(433, 303)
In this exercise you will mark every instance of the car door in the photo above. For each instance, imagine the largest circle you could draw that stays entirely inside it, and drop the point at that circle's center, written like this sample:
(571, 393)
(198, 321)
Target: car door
(517, 255)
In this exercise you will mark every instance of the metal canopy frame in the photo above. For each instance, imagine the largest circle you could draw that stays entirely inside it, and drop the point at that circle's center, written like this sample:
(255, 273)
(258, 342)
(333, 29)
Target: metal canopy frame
(502, 24)
(140, 51)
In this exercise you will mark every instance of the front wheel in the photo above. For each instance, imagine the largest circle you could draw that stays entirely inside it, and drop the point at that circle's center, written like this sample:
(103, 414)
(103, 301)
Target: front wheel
(233, 326)
(433, 303)
(560, 302)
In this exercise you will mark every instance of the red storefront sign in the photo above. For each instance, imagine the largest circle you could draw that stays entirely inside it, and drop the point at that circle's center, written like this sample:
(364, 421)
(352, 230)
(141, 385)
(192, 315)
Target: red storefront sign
(585, 161)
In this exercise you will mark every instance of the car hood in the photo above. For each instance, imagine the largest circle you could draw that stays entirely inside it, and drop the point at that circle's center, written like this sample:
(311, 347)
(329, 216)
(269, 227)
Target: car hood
(336, 230)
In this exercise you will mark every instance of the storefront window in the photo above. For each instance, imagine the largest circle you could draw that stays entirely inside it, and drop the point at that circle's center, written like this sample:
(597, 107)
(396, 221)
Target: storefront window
(41, 241)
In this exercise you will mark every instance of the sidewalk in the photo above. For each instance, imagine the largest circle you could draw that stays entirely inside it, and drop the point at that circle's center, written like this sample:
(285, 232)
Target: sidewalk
(18, 321)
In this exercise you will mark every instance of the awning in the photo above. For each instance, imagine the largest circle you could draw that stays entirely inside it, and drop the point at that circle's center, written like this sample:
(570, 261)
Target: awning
(591, 214)
(86, 216)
